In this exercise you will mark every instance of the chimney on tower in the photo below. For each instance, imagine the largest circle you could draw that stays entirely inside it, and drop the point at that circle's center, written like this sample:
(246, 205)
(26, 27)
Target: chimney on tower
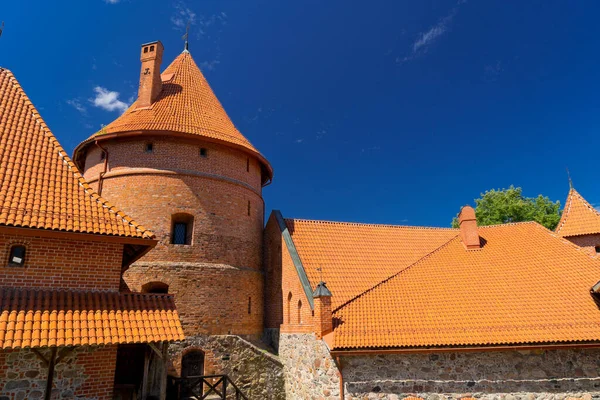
(323, 313)
(150, 82)
(468, 228)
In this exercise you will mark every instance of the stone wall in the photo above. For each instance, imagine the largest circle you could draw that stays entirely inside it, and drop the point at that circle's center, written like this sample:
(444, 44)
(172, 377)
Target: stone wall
(257, 372)
(84, 373)
(551, 374)
(310, 372)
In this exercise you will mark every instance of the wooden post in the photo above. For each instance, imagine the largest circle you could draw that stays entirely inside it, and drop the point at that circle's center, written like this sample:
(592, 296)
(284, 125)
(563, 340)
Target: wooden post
(163, 383)
(50, 378)
(146, 366)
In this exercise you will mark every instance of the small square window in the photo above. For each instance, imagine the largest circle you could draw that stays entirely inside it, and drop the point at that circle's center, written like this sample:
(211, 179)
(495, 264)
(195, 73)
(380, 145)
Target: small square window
(597, 249)
(16, 256)
(203, 152)
(149, 148)
(102, 155)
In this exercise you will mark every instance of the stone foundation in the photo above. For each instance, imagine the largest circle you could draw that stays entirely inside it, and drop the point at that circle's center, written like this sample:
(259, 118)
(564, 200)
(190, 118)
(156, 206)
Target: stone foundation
(310, 372)
(258, 373)
(511, 375)
(84, 373)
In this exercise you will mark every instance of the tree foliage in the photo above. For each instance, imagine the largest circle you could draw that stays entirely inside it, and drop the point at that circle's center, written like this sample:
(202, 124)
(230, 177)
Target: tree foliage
(509, 205)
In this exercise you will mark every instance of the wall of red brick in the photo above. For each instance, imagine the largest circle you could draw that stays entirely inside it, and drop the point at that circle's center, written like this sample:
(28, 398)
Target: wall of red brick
(588, 242)
(215, 277)
(62, 263)
(286, 304)
(84, 373)
(211, 299)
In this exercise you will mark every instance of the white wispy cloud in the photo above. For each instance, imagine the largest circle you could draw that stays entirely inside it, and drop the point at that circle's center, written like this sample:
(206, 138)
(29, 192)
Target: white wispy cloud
(182, 15)
(108, 100)
(427, 38)
(111, 1)
(209, 65)
(76, 104)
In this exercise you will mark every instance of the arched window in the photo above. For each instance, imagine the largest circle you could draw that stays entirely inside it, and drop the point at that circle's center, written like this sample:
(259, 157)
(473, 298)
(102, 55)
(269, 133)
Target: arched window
(299, 311)
(182, 229)
(155, 287)
(289, 308)
(16, 256)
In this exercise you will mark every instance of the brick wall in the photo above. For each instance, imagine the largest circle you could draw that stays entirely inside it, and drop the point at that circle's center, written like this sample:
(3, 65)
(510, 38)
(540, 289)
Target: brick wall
(588, 242)
(219, 273)
(62, 263)
(212, 299)
(286, 304)
(84, 373)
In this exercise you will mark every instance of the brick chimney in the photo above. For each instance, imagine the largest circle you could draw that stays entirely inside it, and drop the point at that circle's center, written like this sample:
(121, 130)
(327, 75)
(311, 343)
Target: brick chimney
(468, 228)
(323, 314)
(150, 82)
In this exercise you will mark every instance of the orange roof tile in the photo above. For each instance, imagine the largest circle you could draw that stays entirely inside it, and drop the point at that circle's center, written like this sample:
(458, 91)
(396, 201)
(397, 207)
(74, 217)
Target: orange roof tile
(354, 257)
(186, 104)
(40, 318)
(40, 187)
(525, 285)
(579, 217)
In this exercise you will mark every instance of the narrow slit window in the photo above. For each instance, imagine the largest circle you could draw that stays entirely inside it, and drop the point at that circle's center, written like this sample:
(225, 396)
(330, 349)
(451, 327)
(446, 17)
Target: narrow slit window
(299, 311)
(597, 249)
(149, 148)
(203, 152)
(249, 305)
(16, 256)
(102, 155)
(248, 164)
(248, 207)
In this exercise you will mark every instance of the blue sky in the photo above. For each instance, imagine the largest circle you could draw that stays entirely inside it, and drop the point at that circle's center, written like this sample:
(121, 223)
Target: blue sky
(382, 111)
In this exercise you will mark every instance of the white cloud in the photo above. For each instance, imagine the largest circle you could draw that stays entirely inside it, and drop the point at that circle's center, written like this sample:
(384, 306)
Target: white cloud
(111, 1)
(76, 104)
(182, 16)
(209, 65)
(108, 100)
(426, 39)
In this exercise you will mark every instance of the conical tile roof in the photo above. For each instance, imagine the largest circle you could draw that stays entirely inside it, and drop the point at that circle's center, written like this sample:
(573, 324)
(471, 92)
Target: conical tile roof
(579, 217)
(185, 105)
(40, 187)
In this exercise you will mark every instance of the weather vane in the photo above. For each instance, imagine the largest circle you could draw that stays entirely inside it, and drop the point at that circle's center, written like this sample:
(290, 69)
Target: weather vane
(320, 269)
(186, 36)
(570, 181)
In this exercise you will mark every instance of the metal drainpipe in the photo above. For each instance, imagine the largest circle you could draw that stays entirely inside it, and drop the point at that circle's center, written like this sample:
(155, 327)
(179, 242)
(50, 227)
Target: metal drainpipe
(102, 149)
(338, 362)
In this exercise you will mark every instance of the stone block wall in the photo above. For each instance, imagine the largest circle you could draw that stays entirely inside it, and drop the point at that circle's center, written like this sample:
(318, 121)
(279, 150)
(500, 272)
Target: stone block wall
(84, 373)
(52, 262)
(510, 375)
(310, 371)
(258, 373)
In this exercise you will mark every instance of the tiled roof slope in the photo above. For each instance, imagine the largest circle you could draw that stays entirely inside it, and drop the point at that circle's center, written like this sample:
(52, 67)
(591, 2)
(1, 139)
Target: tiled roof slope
(524, 286)
(186, 104)
(40, 187)
(579, 217)
(355, 257)
(40, 318)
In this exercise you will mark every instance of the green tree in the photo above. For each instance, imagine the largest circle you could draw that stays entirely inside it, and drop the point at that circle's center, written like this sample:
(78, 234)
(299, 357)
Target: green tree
(509, 205)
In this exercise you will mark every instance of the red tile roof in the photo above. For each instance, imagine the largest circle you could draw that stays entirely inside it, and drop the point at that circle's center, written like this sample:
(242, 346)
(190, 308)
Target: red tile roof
(186, 105)
(40, 187)
(579, 217)
(525, 285)
(355, 257)
(40, 318)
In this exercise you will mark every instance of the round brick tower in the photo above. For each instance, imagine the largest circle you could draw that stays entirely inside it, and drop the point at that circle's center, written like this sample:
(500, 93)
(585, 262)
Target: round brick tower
(175, 162)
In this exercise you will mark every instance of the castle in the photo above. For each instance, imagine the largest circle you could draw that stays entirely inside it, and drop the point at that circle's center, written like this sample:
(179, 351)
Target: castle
(162, 215)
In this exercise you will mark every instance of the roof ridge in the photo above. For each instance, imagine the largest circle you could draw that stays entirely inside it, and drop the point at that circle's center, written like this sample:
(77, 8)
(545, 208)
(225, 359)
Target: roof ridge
(67, 160)
(328, 222)
(395, 275)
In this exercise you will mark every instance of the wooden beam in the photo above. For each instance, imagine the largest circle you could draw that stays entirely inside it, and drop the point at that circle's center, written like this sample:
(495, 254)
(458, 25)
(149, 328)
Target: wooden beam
(50, 378)
(156, 350)
(40, 356)
(145, 379)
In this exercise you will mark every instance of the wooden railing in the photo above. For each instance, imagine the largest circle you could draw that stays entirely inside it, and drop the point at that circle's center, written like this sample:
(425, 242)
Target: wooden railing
(205, 387)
